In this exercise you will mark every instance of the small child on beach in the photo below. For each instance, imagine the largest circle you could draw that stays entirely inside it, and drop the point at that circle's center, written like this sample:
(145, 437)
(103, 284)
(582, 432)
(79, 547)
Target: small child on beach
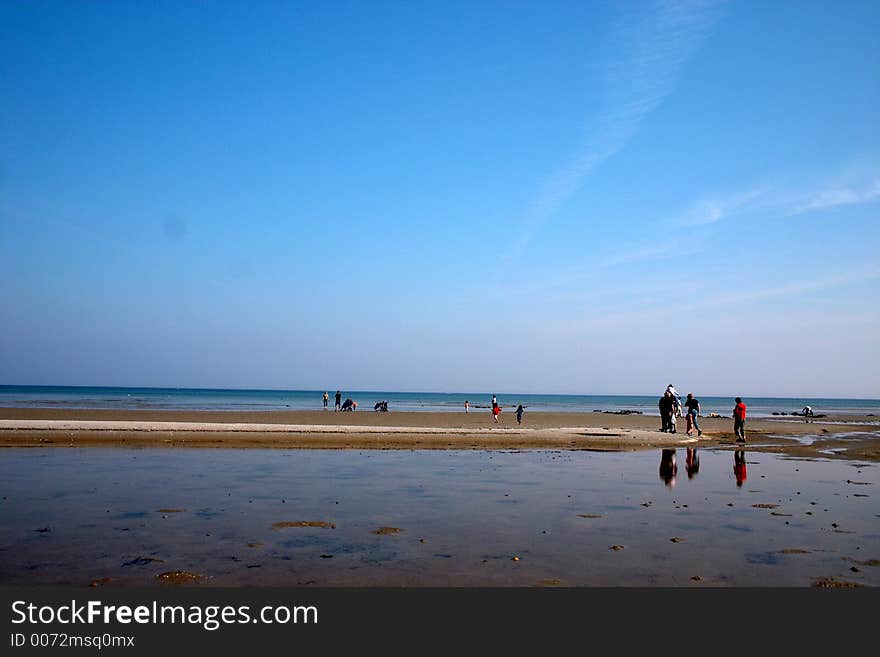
(496, 411)
(519, 413)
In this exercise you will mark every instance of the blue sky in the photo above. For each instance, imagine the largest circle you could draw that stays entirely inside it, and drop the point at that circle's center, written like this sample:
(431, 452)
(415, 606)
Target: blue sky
(511, 196)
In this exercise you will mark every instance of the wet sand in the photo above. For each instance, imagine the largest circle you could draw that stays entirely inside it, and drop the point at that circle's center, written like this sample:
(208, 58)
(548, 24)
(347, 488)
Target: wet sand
(830, 437)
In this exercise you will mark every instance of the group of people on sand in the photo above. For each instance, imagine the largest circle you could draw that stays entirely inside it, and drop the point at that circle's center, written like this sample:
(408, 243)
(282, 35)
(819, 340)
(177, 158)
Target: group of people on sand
(348, 405)
(669, 468)
(671, 408)
(351, 405)
(496, 410)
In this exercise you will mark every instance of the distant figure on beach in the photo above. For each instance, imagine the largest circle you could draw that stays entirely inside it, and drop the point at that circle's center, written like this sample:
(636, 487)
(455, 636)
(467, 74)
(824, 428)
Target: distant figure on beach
(519, 413)
(467, 406)
(338, 401)
(739, 467)
(692, 462)
(739, 420)
(349, 405)
(494, 401)
(693, 412)
(808, 413)
(326, 400)
(381, 407)
(668, 467)
(496, 411)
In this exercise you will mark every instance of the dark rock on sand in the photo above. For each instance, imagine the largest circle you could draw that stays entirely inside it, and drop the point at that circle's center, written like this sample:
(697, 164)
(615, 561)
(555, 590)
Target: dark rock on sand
(766, 506)
(616, 548)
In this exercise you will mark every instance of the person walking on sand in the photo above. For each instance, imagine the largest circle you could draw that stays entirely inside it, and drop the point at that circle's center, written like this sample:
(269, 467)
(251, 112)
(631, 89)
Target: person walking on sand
(519, 413)
(467, 406)
(693, 412)
(338, 401)
(496, 411)
(326, 399)
(739, 420)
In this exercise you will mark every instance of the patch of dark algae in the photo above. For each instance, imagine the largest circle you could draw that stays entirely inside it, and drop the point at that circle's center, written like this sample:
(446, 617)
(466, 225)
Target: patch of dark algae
(177, 577)
(386, 531)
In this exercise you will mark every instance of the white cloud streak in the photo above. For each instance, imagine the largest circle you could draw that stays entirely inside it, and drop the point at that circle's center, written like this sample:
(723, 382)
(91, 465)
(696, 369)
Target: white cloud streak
(654, 45)
(839, 196)
(779, 201)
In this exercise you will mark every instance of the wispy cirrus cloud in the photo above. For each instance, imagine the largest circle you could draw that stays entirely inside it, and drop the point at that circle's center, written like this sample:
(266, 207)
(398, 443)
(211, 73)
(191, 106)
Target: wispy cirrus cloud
(706, 211)
(654, 46)
(840, 195)
(781, 200)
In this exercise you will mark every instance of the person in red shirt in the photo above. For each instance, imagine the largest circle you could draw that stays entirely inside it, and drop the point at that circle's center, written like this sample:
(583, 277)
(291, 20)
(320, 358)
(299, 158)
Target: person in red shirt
(739, 421)
(739, 467)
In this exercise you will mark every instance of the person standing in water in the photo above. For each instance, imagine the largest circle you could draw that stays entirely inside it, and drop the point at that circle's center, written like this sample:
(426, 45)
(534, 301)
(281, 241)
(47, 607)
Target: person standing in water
(338, 401)
(519, 413)
(326, 399)
(467, 406)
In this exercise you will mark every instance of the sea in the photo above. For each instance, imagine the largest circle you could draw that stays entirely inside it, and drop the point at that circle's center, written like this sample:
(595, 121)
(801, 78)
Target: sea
(209, 399)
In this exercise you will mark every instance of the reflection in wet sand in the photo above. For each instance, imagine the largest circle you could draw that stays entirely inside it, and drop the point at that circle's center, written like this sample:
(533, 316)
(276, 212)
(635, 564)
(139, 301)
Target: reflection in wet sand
(122, 517)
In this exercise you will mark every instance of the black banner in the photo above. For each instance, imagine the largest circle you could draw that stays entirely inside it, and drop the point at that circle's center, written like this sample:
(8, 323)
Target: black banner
(178, 621)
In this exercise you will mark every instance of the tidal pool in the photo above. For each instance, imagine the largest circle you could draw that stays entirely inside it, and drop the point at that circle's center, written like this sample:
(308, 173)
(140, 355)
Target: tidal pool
(435, 518)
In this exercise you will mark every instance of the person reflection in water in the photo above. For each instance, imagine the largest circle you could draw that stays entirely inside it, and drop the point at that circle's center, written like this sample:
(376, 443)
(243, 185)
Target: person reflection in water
(692, 463)
(668, 467)
(739, 467)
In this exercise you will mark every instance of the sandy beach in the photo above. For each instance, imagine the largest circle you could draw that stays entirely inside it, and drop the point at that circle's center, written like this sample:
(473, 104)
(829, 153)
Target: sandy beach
(835, 437)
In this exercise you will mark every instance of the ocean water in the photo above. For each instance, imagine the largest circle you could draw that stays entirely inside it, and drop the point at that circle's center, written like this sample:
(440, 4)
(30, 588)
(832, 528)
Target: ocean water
(267, 400)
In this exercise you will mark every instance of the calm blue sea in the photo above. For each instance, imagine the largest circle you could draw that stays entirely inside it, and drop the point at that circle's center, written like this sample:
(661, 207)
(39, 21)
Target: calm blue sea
(267, 400)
